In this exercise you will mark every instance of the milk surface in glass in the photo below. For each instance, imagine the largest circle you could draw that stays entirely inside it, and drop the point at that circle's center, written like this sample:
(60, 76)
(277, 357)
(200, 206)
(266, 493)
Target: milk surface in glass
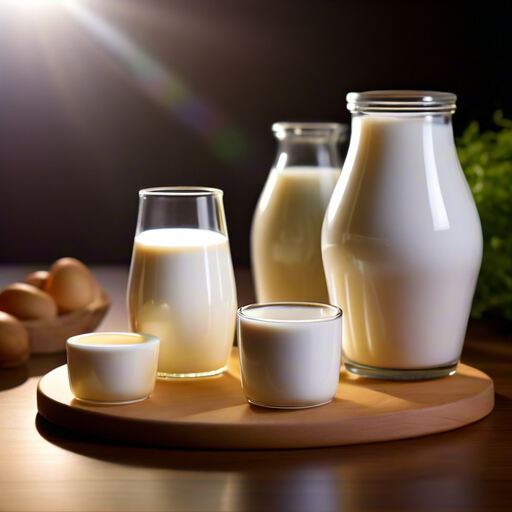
(182, 290)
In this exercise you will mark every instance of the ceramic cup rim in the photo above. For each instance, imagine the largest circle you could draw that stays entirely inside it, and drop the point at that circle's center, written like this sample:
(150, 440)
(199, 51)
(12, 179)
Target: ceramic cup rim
(149, 340)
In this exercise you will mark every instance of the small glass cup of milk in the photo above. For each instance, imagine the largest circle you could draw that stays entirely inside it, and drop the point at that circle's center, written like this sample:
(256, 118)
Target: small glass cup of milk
(290, 353)
(182, 286)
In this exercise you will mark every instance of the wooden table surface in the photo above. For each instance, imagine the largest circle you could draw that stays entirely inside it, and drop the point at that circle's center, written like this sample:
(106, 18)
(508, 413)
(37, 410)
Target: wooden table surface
(43, 468)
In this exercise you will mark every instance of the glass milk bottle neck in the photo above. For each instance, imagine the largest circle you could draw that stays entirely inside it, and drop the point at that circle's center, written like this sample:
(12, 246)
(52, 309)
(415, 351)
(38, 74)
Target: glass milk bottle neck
(308, 144)
(392, 132)
(411, 125)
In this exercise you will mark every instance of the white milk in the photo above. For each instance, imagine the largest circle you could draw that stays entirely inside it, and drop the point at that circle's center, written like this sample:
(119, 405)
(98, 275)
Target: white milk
(182, 289)
(402, 244)
(286, 234)
(290, 356)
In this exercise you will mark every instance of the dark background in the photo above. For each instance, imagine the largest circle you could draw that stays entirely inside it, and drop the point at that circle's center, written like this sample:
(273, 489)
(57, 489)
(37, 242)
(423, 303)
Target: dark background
(100, 100)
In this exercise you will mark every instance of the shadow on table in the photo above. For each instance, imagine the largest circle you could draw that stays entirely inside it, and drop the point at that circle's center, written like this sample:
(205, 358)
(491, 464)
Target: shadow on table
(433, 471)
(34, 367)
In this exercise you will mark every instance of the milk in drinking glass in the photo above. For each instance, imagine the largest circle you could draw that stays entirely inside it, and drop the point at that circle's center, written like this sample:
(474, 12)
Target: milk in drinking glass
(182, 286)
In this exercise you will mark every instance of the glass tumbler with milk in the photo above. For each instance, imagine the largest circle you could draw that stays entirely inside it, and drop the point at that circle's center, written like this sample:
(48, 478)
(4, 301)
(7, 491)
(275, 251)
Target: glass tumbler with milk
(401, 241)
(182, 286)
(285, 239)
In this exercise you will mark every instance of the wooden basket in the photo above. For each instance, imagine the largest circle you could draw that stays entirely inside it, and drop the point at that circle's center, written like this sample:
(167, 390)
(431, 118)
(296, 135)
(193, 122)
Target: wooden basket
(49, 336)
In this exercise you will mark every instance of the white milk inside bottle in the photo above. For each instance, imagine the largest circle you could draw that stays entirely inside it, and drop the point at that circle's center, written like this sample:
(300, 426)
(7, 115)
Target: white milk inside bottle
(286, 251)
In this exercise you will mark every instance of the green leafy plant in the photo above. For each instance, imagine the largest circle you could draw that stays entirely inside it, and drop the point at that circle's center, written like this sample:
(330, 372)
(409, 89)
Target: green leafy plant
(486, 158)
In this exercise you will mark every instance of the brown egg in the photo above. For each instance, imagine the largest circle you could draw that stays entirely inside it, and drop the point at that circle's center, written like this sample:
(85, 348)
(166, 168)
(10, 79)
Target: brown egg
(26, 302)
(37, 278)
(71, 284)
(14, 345)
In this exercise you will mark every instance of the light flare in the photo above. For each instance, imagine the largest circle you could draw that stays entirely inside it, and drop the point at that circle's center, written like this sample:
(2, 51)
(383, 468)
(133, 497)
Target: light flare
(155, 80)
(163, 86)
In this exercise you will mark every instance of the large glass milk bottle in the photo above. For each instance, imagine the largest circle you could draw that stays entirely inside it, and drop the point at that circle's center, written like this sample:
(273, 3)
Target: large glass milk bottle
(401, 241)
(285, 239)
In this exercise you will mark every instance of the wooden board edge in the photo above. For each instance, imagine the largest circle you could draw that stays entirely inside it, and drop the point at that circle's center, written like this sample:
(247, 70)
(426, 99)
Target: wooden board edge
(418, 423)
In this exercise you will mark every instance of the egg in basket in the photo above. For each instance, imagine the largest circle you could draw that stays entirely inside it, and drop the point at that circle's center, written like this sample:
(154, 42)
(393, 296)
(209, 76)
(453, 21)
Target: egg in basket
(38, 315)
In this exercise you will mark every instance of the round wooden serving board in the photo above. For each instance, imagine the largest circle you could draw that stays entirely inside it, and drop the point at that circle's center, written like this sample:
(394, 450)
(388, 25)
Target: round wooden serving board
(213, 413)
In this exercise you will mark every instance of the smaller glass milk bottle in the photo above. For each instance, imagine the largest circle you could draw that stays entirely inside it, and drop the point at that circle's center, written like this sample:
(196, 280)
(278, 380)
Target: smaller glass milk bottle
(287, 224)
(401, 241)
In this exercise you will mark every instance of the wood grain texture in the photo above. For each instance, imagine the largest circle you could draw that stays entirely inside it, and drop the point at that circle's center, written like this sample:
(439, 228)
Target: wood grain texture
(213, 413)
(45, 468)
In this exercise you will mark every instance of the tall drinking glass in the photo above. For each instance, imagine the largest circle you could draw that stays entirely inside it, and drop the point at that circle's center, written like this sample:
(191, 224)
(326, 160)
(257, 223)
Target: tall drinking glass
(182, 286)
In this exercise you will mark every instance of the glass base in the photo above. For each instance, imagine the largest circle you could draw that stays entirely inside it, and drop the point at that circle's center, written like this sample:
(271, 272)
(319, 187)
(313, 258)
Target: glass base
(288, 406)
(164, 375)
(400, 375)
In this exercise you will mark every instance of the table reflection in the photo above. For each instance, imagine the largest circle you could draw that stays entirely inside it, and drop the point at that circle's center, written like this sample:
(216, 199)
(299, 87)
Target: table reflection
(311, 479)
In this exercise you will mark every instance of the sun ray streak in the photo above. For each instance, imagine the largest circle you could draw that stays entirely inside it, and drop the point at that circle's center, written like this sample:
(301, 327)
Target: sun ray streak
(163, 86)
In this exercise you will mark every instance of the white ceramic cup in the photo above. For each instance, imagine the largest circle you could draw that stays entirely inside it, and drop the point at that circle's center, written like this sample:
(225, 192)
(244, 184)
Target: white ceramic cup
(290, 353)
(112, 367)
